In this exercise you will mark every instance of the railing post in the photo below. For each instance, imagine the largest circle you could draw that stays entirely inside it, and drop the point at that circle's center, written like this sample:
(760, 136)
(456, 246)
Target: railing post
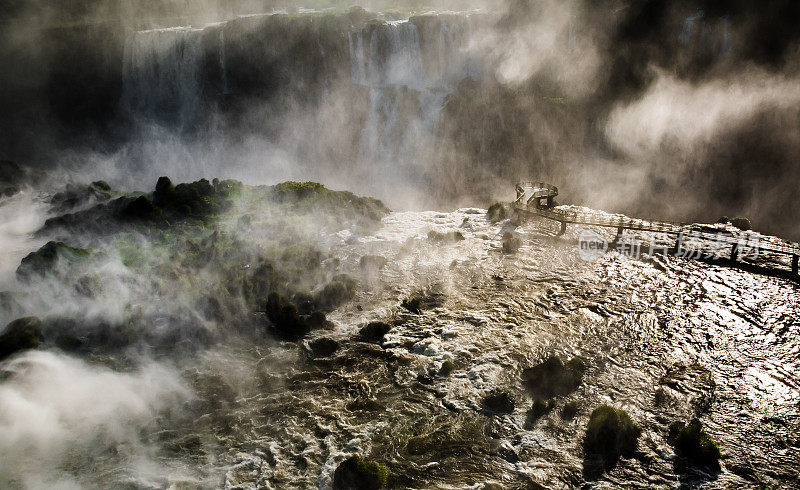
(795, 258)
(678, 243)
(615, 242)
(563, 228)
(735, 252)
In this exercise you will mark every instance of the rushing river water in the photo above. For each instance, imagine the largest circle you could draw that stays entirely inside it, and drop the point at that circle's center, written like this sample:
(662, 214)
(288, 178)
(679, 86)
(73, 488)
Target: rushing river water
(721, 344)
(666, 339)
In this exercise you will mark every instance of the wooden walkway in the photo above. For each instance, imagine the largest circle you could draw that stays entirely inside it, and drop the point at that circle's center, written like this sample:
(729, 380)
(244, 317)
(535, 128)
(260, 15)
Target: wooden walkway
(537, 198)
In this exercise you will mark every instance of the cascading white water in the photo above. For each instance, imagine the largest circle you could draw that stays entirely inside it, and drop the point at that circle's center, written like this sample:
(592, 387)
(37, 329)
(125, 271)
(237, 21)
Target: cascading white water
(399, 134)
(162, 75)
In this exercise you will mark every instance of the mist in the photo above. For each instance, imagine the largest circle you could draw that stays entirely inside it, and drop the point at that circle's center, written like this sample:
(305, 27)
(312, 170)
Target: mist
(57, 411)
(185, 270)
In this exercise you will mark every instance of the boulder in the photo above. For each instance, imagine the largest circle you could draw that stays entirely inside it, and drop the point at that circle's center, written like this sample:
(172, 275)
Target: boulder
(323, 347)
(539, 409)
(21, 334)
(45, 260)
(372, 263)
(570, 410)
(374, 332)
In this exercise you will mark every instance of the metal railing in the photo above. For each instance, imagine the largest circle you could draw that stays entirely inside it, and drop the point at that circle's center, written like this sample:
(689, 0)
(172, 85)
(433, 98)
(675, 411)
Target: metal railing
(529, 195)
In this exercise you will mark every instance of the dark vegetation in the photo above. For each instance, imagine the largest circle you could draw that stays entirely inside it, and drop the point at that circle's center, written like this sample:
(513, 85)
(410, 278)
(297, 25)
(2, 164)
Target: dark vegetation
(497, 212)
(694, 445)
(357, 473)
(238, 264)
(610, 434)
(742, 223)
(20, 335)
(447, 368)
(287, 322)
(554, 378)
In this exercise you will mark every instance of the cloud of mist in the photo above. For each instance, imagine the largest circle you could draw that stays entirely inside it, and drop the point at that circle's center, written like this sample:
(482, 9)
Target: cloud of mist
(547, 39)
(58, 413)
(680, 115)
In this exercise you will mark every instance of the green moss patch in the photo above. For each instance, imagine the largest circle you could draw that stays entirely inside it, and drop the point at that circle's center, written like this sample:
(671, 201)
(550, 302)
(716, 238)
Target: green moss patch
(359, 473)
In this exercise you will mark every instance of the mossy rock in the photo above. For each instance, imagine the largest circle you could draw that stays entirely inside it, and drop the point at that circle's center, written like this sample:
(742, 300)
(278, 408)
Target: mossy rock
(610, 434)
(323, 347)
(372, 262)
(287, 322)
(694, 445)
(553, 378)
(141, 208)
(511, 243)
(447, 368)
(499, 402)
(374, 332)
(742, 223)
(19, 335)
(101, 185)
(449, 237)
(497, 212)
(357, 473)
(46, 260)
(341, 289)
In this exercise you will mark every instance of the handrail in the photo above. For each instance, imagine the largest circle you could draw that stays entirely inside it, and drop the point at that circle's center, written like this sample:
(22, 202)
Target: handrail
(540, 190)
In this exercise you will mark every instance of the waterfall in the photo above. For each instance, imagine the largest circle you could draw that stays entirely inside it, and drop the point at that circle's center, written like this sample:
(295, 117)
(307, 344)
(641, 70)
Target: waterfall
(399, 135)
(223, 68)
(687, 27)
(162, 76)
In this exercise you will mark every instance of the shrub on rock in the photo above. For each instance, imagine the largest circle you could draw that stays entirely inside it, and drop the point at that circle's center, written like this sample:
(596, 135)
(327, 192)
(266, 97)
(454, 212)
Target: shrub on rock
(323, 347)
(341, 289)
(374, 332)
(497, 212)
(610, 434)
(694, 444)
(742, 223)
(141, 208)
(499, 402)
(287, 322)
(552, 377)
(511, 244)
(21, 334)
(357, 473)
